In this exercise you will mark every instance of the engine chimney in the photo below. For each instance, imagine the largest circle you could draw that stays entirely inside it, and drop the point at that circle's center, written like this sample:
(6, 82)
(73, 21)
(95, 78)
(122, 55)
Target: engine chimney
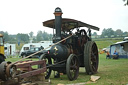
(58, 23)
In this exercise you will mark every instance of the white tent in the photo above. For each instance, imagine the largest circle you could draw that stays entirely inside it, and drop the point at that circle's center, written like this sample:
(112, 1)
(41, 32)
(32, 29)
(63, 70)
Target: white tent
(121, 48)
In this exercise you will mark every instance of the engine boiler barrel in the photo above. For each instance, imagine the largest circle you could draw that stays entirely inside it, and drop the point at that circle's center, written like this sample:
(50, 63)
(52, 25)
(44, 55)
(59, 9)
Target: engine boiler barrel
(59, 51)
(58, 23)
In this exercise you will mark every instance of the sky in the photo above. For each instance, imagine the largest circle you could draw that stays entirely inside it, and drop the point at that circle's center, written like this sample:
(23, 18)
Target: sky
(24, 16)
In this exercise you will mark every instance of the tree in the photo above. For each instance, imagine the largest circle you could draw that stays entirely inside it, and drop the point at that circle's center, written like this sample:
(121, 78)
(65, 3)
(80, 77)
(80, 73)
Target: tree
(22, 37)
(12, 39)
(119, 32)
(43, 36)
(6, 36)
(39, 36)
(103, 33)
(125, 33)
(110, 32)
(126, 2)
(94, 34)
(31, 34)
(107, 32)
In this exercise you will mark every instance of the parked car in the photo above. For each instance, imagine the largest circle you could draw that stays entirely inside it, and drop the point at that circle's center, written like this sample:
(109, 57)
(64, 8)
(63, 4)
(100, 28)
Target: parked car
(28, 46)
(33, 50)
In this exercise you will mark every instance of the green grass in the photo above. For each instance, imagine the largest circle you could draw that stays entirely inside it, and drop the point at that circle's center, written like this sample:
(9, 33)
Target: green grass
(105, 43)
(112, 72)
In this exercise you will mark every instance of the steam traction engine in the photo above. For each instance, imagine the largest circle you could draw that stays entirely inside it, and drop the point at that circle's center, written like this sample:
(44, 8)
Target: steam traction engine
(77, 50)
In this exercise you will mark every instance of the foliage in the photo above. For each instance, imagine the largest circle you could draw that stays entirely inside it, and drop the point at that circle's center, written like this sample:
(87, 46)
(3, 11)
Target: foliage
(126, 2)
(107, 32)
(22, 37)
(6, 36)
(31, 34)
(94, 34)
(43, 36)
(18, 47)
(118, 32)
(110, 33)
(39, 36)
(125, 33)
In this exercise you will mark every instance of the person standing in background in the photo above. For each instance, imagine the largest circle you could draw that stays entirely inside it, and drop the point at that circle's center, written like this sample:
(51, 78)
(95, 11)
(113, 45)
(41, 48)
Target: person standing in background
(107, 55)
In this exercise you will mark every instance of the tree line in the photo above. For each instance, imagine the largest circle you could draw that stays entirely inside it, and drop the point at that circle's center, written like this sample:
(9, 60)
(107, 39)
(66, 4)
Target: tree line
(44, 36)
(25, 38)
(110, 33)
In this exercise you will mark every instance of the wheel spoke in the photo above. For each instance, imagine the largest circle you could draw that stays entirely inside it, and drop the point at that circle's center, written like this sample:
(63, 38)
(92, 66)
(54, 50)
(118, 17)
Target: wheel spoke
(93, 67)
(93, 59)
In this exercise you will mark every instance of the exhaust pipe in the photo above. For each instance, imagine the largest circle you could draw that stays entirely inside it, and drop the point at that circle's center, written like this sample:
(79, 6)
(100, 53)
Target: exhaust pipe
(58, 23)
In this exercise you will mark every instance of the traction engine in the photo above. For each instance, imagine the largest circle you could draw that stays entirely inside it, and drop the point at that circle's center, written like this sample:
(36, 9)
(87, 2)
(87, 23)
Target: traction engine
(75, 50)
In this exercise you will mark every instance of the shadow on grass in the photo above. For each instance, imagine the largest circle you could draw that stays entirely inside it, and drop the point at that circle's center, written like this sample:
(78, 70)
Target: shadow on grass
(82, 78)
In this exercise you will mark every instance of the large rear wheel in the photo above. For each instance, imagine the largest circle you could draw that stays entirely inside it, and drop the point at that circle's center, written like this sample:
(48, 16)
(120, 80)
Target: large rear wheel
(91, 57)
(72, 67)
(48, 62)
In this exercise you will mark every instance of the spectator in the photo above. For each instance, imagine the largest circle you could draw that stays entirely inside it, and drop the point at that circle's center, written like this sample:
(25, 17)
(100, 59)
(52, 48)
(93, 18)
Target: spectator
(107, 55)
(115, 55)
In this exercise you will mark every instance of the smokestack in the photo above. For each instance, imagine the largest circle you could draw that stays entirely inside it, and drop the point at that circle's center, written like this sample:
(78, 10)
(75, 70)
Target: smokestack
(58, 23)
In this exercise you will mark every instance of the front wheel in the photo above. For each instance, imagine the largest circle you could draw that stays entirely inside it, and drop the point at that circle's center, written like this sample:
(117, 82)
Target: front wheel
(48, 62)
(72, 67)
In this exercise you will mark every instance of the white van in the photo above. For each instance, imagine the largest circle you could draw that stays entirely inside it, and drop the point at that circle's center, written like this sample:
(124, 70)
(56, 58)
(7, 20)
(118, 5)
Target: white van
(28, 46)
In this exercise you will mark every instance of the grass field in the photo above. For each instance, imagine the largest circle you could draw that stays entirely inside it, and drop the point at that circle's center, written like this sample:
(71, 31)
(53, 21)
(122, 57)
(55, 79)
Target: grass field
(112, 72)
(105, 43)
